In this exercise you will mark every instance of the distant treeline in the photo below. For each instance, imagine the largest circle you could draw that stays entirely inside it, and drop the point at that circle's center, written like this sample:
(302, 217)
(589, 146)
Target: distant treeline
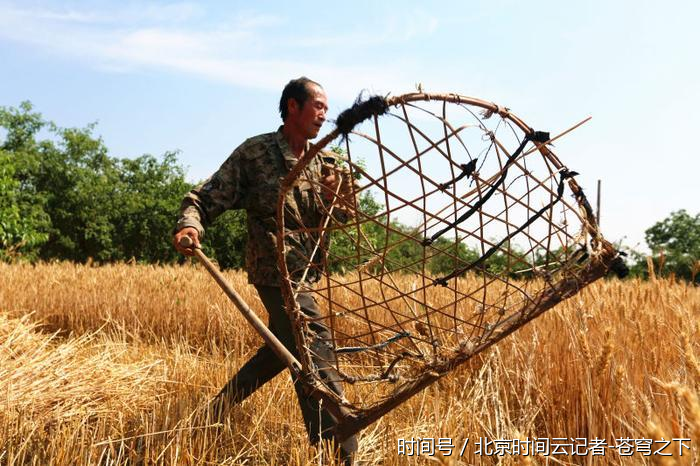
(63, 197)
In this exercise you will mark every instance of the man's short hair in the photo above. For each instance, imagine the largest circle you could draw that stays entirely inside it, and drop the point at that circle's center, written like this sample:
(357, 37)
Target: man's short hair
(297, 89)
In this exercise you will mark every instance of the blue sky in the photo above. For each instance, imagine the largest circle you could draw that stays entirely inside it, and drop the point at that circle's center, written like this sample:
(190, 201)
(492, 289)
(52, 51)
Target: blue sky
(200, 77)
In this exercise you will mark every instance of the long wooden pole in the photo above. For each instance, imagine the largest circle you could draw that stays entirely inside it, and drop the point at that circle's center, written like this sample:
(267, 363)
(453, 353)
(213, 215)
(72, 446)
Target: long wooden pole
(310, 384)
(270, 339)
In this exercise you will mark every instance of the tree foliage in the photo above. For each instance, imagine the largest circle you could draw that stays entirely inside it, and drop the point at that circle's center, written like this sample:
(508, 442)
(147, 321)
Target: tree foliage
(675, 244)
(24, 224)
(64, 197)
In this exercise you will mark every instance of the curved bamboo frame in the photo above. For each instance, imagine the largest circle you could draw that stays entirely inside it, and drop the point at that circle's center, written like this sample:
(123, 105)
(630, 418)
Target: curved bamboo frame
(594, 265)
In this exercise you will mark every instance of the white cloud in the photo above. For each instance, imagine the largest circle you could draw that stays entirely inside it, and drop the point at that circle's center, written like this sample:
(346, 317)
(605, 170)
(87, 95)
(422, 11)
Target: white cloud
(393, 30)
(126, 13)
(243, 51)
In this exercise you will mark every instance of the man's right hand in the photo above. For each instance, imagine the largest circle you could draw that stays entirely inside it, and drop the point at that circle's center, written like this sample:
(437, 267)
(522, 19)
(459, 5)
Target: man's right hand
(187, 231)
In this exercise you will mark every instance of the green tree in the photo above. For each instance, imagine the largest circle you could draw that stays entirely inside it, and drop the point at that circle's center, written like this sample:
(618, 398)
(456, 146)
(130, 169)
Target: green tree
(455, 255)
(23, 227)
(226, 239)
(64, 197)
(345, 250)
(78, 179)
(148, 194)
(24, 224)
(675, 241)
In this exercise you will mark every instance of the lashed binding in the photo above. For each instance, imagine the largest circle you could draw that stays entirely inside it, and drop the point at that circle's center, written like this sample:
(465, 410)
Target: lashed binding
(466, 227)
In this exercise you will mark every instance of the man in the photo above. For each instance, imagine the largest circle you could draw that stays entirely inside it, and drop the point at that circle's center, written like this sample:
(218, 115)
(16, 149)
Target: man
(249, 179)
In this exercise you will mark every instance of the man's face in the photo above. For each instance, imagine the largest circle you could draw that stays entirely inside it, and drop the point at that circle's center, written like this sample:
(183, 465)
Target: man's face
(309, 118)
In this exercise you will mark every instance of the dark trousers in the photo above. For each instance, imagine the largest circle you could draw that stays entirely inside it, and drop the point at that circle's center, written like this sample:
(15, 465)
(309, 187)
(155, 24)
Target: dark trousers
(264, 365)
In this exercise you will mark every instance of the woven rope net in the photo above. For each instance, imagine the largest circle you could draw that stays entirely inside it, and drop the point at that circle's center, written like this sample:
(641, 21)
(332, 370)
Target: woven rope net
(453, 225)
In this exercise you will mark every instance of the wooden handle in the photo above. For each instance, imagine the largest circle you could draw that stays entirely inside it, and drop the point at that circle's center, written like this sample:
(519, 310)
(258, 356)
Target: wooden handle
(311, 386)
(186, 242)
(270, 339)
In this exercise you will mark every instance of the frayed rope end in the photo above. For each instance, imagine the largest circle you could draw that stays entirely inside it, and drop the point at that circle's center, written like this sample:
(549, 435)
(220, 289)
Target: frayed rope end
(359, 112)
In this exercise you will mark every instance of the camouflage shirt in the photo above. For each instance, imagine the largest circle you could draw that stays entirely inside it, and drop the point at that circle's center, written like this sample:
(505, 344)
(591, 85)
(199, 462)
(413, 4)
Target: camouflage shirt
(250, 179)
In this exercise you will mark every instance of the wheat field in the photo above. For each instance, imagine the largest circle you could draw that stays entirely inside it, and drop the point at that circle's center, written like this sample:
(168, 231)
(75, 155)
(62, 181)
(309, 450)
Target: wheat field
(112, 364)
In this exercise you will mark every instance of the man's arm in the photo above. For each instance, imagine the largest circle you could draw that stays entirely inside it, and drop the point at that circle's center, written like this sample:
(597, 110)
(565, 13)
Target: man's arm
(222, 191)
